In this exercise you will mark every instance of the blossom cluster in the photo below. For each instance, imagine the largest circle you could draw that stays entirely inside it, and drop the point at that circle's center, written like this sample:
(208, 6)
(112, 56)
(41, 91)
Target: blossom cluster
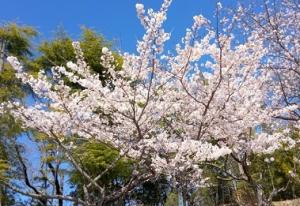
(174, 109)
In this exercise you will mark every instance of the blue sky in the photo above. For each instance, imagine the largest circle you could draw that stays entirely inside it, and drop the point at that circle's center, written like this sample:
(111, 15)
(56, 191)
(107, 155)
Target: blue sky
(115, 19)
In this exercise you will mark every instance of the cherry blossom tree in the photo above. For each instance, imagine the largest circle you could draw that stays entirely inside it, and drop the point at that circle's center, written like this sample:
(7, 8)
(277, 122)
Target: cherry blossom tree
(170, 111)
(278, 25)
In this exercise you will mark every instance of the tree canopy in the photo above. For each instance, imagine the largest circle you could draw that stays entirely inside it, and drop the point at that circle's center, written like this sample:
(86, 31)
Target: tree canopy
(214, 121)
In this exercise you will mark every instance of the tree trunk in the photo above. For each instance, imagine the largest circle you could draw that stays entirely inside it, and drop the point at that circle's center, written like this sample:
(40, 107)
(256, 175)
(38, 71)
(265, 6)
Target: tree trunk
(2, 55)
(257, 188)
(183, 198)
(260, 196)
(180, 198)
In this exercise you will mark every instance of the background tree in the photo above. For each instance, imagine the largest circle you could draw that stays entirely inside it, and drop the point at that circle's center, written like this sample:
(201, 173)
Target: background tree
(14, 40)
(59, 51)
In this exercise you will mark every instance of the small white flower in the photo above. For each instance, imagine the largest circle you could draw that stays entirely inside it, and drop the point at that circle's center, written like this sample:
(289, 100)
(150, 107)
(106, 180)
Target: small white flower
(199, 20)
(139, 7)
(105, 50)
(15, 63)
